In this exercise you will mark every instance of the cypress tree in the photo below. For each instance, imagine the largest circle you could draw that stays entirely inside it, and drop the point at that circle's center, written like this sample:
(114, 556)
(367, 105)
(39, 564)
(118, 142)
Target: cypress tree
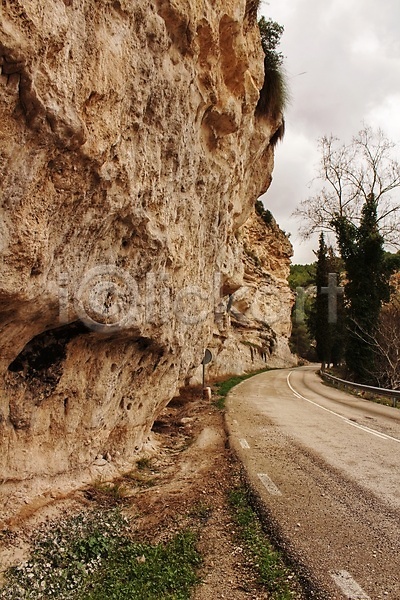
(367, 286)
(321, 326)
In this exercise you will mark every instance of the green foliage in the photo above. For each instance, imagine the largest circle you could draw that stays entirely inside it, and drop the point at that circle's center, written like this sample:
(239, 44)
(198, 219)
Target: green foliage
(65, 555)
(271, 33)
(300, 341)
(357, 203)
(302, 276)
(264, 213)
(302, 281)
(93, 557)
(273, 573)
(140, 571)
(224, 387)
(367, 286)
(326, 328)
(274, 94)
(392, 262)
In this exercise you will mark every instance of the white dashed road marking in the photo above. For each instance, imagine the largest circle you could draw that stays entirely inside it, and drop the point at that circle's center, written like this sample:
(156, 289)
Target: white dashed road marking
(378, 434)
(244, 444)
(269, 484)
(349, 586)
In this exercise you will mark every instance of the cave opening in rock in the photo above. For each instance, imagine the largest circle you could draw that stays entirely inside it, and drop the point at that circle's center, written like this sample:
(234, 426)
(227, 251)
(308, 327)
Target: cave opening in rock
(47, 349)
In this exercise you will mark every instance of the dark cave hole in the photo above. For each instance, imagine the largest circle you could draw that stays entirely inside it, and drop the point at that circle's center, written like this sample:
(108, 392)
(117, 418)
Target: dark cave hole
(47, 349)
(160, 427)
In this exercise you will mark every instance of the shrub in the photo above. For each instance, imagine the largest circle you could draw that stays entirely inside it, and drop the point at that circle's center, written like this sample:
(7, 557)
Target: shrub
(274, 94)
(264, 213)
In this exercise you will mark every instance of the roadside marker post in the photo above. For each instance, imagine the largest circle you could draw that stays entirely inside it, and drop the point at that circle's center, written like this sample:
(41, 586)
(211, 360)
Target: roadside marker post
(206, 360)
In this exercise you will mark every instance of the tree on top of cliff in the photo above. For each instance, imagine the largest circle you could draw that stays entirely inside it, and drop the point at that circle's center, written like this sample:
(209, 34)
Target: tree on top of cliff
(271, 33)
(274, 93)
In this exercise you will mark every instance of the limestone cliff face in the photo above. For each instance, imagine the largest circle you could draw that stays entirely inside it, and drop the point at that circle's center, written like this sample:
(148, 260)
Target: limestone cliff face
(130, 155)
(253, 323)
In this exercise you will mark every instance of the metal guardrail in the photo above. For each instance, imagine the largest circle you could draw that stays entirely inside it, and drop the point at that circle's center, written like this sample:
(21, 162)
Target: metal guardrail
(393, 394)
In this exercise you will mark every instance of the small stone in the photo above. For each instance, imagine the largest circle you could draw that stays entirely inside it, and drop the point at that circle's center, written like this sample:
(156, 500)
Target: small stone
(100, 462)
(141, 559)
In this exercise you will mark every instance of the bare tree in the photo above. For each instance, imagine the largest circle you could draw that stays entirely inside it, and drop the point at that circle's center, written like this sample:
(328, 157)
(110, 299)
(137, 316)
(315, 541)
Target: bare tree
(350, 174)
(385, 344)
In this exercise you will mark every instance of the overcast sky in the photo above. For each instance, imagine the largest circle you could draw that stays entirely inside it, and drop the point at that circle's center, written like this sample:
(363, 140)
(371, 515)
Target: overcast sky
(342, 60)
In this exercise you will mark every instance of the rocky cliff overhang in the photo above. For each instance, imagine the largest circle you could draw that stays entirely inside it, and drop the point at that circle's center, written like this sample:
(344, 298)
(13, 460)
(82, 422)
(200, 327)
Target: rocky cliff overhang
(131, 152)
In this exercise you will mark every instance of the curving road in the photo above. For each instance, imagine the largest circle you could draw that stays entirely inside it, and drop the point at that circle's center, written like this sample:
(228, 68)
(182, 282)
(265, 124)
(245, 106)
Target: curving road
(327, 467)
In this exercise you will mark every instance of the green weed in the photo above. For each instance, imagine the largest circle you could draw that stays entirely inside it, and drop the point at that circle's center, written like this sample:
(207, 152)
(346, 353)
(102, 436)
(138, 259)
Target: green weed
(92, 557)
(224, 387)
(272, 572)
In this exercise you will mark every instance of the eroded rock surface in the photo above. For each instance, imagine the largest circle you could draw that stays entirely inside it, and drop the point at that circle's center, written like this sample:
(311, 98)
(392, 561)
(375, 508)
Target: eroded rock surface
(130, 155)
(253, 323)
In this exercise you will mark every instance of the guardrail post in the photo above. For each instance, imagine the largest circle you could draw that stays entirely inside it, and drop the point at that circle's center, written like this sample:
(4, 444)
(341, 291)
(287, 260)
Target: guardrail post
(394, 399)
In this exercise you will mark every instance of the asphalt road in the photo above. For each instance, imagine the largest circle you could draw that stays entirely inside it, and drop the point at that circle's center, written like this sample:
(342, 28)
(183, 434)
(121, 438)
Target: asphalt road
(327, 467)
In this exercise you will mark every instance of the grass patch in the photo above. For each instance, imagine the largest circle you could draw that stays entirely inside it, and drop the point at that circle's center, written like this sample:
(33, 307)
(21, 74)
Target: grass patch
(274, 96)
(92, 556)
(113, 490)
(271, 569)
(201, 511)
(143, 572)
(224, 387)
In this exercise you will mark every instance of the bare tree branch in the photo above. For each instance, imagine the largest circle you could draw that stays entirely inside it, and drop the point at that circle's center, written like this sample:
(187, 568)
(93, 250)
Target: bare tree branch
(351, 174)
(386, 344)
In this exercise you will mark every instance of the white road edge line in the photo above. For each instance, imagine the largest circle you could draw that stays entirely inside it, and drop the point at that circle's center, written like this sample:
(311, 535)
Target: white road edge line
(269, 484)
(244, 444)
(349, 586)
(383, 436)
